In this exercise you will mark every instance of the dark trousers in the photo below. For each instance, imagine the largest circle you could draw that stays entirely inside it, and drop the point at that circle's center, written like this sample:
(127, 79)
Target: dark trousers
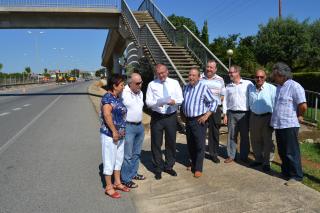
(213, 133)
(196, 139)
(167, 124)
(289, 152)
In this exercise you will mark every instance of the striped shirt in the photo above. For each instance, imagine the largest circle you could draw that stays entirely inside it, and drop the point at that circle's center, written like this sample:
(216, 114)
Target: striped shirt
(288, 97)
(216, 85)
(198, 99)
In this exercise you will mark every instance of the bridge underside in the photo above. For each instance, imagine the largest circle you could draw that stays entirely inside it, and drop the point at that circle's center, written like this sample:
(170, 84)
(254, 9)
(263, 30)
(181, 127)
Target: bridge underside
(59, 18)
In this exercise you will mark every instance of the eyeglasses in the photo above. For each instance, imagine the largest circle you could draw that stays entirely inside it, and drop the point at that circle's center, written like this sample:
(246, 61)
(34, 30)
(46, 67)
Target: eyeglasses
(138, 83)
(258, 77)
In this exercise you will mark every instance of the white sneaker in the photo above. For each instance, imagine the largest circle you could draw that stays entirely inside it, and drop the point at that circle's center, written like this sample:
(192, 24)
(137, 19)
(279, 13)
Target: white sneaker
(291, 182)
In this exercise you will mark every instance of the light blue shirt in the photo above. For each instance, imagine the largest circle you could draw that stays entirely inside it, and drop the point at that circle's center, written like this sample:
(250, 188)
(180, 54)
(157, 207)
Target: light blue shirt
(262, 101)
(288, 97)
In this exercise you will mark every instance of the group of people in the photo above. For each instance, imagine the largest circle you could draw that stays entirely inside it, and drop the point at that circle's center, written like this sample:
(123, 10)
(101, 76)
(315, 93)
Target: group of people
(249, 109)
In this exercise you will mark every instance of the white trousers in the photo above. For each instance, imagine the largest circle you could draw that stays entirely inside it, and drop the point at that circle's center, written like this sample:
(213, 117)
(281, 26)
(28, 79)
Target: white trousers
(112, 154)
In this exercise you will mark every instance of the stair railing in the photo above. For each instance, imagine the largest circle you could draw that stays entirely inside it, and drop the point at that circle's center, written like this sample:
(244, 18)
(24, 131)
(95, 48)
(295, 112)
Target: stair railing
(145, 37)
(148, 39)
(183, 37)
(161, 19)
(133, 23)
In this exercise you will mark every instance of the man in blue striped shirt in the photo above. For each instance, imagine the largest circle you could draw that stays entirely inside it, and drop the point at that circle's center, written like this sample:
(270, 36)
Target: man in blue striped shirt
(199, 103)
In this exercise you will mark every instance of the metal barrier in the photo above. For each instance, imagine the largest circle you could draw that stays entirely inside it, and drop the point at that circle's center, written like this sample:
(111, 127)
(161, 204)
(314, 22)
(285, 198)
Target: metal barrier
(60, 3)
(312, 113)
(183, 37)
(145, 37)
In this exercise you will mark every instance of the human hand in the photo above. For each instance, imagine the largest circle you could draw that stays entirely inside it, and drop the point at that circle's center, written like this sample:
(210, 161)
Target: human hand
(115, 136)
(225, 120)
(171, 102)
(300, 119)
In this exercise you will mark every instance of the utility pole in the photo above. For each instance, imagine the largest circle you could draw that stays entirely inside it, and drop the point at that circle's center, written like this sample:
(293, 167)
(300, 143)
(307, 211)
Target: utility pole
(280, 8)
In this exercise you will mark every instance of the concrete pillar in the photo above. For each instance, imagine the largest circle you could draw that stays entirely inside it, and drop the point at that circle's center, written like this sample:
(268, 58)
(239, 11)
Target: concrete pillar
(116, 65)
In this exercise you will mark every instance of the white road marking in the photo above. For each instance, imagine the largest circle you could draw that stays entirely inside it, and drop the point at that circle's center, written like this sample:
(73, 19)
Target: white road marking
(16, 136)
(16, 109)
(5, 113)
(26, 105)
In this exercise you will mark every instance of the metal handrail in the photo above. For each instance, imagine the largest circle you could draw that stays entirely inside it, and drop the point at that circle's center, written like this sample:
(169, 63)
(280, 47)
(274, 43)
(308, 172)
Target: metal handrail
(60, 3)
(203, 48)
(200, 51)
(168, 28)
(147, 38)
(133, 23)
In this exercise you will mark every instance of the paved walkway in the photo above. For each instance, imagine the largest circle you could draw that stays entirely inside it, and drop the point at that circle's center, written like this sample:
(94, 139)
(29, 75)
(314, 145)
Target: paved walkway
(222, 188)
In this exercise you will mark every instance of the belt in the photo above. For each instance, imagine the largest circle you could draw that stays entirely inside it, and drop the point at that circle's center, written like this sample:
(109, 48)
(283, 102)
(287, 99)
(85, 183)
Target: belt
(134, 123)
(263, 114)
(159, 115)
(237, 111)
(194, 118)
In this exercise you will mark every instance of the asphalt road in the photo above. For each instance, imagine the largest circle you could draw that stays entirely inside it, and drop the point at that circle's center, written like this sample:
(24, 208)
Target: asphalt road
(50, 153)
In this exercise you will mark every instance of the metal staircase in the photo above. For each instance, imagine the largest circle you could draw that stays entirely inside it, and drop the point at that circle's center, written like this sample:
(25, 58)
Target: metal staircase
(161, 42)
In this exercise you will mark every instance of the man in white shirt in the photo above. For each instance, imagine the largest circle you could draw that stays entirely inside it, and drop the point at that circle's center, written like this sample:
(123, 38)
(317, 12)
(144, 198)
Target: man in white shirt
(133, 99)
(236, 115)
(216, 85)
(163, 97)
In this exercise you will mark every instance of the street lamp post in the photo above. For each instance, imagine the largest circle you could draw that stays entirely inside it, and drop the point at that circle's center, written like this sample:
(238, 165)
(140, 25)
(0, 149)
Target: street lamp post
(229, 53)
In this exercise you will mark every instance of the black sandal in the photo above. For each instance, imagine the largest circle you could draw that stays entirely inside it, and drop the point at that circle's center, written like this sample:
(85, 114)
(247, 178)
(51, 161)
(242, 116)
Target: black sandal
(130, 184)
(139, 177)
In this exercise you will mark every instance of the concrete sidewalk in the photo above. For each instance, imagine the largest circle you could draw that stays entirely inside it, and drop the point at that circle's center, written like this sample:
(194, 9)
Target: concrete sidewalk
(222, 188)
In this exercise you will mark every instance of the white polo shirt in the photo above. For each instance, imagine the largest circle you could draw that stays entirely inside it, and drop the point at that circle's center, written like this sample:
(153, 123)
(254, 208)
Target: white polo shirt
(134, 104)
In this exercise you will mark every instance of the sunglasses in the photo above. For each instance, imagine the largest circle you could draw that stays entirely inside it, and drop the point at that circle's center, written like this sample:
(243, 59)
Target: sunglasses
(138, 83)
(257, 77)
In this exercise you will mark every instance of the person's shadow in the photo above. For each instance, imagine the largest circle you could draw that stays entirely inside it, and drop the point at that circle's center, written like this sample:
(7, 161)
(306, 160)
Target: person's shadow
(103, 180)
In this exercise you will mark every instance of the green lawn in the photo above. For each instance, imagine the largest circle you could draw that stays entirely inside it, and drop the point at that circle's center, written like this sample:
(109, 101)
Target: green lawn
(311, 151)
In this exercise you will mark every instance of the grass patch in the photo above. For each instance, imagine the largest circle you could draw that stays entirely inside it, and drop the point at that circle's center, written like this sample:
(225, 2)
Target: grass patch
(311, 176)
(311, 151)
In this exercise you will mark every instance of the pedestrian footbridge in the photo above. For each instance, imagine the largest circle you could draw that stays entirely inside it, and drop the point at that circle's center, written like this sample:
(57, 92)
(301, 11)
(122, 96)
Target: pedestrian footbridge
(145, 33)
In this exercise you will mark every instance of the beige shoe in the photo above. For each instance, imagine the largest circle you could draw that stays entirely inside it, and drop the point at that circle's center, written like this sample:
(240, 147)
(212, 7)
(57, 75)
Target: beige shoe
(291, 182)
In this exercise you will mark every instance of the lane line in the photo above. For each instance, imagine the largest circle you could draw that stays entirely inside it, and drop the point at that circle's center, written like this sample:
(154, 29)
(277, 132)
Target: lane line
(16, 136)
(16, 109)
(26, 105)
(5, 113)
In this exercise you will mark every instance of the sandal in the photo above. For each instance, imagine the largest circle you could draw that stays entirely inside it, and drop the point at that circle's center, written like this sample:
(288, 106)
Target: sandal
(130, 184)
(115, 194)
(139, 177)
(122, 187)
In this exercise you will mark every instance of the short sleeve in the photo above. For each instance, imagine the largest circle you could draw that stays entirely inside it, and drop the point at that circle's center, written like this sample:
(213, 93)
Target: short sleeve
(299, 94)
(106, 99)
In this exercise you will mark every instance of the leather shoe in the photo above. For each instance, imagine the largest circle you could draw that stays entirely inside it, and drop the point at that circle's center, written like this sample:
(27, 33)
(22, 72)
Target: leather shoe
(266, 168)
(255, 164)
(171, 172)
(228, 160)
(158, 176)
(215, 159)
(197, 174)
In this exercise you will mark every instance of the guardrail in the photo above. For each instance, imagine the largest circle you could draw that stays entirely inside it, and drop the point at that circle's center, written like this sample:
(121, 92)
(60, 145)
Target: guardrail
(148, 39)
(183, 37)
(60, 3)
(11, 82)
(145, 37)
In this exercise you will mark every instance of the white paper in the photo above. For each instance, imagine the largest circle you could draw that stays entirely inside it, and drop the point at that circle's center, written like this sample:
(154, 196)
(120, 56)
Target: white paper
(163, 101)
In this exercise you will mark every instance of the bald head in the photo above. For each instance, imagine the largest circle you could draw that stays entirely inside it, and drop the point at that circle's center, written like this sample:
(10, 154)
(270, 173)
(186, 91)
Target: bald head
(135, 82)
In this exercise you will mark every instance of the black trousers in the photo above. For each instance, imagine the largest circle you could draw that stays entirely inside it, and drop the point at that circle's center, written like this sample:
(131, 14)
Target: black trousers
(167, 124)
(289, 152)
(196, 140)
(214, 133)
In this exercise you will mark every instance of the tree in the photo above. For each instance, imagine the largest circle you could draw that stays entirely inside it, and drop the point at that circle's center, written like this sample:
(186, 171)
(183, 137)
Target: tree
(205, 34)
(314, 59)
(27, 71)
(284, 40)
(1, 66)
(100, 72)
(220, 45)
(179, 21)
(45, 73)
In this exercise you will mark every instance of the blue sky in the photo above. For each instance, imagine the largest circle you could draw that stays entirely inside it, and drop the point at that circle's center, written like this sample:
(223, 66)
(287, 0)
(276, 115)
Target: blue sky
(68, 49)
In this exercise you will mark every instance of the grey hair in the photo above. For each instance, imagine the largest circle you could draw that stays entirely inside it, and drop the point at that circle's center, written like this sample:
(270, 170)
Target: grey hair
(282, 69)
